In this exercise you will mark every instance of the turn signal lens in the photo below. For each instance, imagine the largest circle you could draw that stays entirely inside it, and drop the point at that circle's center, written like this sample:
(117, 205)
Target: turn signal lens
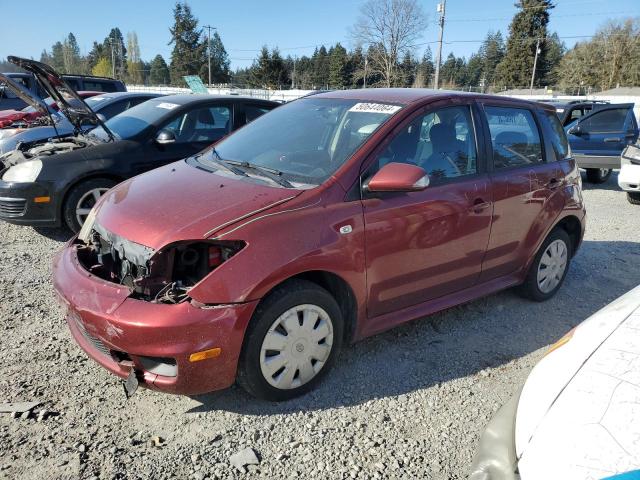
(565, 339)
(42, 199)
(203, 355)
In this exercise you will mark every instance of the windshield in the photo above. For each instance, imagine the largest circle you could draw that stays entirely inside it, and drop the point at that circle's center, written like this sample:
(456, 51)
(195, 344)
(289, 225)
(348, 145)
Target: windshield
(131, 122)
(308, 139)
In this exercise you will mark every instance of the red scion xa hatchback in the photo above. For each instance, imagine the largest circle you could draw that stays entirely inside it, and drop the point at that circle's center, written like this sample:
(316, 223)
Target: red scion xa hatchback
(331, 218)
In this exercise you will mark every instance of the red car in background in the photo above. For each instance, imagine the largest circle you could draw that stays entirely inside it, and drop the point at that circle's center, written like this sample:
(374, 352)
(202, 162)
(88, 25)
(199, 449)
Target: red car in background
(331, 218)
(29, 115)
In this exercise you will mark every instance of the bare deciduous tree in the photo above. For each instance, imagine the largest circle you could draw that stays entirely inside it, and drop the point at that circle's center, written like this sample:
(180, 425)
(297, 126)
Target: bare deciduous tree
(390, 27)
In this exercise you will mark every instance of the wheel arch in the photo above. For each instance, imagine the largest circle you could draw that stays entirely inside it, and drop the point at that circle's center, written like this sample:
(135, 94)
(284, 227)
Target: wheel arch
(572, 225)
(338, 287)
(78, 180)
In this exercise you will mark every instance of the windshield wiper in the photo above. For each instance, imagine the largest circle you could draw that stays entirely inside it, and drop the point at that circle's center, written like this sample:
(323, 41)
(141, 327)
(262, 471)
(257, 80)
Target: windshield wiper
(270, 173)
(225, 163)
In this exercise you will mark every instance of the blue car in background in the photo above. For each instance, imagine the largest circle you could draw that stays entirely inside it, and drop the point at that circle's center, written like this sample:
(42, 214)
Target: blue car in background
(598, 139)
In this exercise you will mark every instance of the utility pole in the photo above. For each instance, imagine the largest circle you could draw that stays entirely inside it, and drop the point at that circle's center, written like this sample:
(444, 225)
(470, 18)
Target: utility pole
(366, 61)
(209, 27)
(441, 10)
(535, 64)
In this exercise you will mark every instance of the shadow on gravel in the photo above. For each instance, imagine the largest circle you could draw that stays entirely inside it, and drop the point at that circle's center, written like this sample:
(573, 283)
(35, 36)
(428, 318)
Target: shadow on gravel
(58, 234)
(459, 342)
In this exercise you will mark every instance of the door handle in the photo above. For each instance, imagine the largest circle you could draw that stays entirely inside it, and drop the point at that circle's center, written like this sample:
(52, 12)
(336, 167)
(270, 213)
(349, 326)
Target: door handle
(553, 184)
(479, 205)
(612, 139)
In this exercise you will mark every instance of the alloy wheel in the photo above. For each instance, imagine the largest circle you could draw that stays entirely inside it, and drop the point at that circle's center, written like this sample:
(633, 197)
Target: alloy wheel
(296, 346)
(552, 266)
(86, 203)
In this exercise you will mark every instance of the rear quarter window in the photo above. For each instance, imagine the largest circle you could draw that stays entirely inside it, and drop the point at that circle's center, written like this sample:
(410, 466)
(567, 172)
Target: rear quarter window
(555, 133)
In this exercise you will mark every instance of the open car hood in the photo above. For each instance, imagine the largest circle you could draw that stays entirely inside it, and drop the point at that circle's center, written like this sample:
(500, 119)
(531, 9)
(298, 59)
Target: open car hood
(24, 95)
(61, 92)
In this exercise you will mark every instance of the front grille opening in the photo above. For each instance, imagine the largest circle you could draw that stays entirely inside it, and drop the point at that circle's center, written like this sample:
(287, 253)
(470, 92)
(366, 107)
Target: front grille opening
(164, 366)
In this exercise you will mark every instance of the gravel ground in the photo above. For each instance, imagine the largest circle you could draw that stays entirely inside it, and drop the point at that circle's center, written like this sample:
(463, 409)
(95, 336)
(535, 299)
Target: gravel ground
(405, 404)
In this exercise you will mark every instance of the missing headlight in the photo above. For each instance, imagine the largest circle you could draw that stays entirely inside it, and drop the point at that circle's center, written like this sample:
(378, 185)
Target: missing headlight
(163, 276)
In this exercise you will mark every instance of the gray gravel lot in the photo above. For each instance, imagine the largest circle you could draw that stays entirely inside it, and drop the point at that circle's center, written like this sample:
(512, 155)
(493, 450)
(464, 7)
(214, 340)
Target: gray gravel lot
(409, 403)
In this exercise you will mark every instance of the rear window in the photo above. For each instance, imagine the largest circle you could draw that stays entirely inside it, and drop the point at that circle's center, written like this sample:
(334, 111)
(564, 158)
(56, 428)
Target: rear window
(514, 137)
(98, 86)
(555, 133)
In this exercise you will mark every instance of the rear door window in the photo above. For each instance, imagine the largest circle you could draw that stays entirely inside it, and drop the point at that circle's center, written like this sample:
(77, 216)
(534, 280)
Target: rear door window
(251, 112)
(514, 137)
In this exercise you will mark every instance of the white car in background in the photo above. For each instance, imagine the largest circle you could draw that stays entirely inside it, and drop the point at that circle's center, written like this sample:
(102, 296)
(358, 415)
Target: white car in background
(629, 177)
(578, 414)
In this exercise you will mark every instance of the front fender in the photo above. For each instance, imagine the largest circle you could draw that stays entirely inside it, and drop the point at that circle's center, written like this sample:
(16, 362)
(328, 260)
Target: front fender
(285, 243)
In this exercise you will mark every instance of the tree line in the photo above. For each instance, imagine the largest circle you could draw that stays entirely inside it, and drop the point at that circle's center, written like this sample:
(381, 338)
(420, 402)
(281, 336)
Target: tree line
(387, 52)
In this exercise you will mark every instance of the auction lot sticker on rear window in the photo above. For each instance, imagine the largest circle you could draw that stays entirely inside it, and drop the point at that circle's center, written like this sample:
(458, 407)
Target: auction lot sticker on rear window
(375, 108)
(167, 105)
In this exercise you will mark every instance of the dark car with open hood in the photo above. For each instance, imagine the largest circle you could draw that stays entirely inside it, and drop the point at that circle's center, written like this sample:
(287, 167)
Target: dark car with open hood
(334, 217)
(57, 181)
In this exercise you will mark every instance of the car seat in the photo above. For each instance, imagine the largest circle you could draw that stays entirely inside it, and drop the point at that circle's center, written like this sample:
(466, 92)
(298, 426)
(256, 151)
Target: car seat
(447, 151)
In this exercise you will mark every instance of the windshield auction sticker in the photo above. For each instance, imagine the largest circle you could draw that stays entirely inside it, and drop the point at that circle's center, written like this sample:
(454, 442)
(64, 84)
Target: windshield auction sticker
(375, 108)
(167, 105)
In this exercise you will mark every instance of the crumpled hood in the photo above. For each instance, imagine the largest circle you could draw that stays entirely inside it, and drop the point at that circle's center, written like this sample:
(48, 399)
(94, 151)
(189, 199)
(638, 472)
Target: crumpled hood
(179, 202)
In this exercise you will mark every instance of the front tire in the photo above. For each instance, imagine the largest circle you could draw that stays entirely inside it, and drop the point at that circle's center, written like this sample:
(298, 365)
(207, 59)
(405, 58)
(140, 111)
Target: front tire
(549, 268)
(81, 199)
(634, 198)
(598, 175)
(292, 341)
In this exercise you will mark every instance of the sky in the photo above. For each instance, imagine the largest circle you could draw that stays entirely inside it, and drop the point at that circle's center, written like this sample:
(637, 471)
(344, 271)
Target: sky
(296, 27)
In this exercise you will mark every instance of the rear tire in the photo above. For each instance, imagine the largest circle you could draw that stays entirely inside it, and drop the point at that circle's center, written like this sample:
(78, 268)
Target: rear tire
(634, 198)
(81, 198)
(598, 175)
(551, 263)
(292, 341)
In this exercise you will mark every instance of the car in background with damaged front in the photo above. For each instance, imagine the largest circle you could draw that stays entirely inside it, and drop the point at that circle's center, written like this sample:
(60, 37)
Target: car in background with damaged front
(576, 417)
(334, 217)
(55, 182)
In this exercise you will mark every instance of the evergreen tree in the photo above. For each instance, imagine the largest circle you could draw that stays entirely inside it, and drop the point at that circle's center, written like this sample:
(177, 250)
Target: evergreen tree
(220, 72)
(555, 50)
(492, 53)
(529, 24)
(408, 70)
(71, 55)
(320, 67)
(159, 71)
(355, 67)
(97, 52)
(474, 70)
(426, 70)
(57, 57)
(338, 67)
(188, 50)
(115, 50)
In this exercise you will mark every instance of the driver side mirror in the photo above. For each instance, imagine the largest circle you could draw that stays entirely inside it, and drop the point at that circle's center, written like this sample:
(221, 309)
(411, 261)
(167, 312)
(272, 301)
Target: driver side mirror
(165, 137)
(398, 177)
(576, 130)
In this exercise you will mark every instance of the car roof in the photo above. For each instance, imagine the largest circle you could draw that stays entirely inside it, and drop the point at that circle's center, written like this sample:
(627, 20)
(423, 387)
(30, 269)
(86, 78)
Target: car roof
(128, 94)
(406, 96)
(187, 98)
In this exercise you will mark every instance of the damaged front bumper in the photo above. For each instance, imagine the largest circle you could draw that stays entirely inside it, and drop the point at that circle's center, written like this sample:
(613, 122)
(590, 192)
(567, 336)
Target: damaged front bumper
(156, 340)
